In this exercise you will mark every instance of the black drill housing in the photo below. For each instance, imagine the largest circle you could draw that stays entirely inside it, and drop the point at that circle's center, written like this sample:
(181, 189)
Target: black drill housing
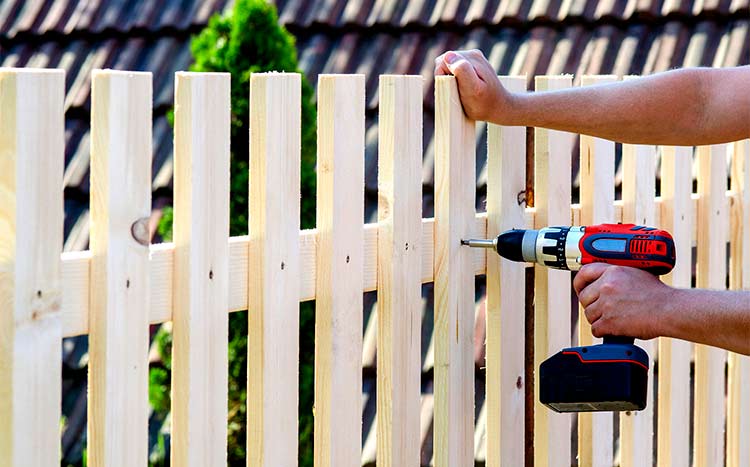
(612, 376)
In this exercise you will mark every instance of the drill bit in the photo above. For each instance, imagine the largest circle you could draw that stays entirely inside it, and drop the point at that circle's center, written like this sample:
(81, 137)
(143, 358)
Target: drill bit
(475, 243)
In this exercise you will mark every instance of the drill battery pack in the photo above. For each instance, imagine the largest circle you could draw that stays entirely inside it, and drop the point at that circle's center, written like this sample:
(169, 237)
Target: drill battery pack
(608, 377)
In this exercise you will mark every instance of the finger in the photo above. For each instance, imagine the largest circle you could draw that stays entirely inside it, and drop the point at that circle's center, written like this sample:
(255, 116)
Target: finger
(589, 295)
(588, 274)
(464, 71)
(483, 68)
(598, 328)
(593, 313)
(441, 69)
(440, 66)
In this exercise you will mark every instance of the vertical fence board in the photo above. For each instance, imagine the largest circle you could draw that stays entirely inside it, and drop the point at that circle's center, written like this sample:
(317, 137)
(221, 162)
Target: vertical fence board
(738, 401)
(338, 321)
(399, 270)
(638, 192)
(673, 448)
(552, 191)
(597, 197)
(201, 269)
(274, 277)
(120, 207)
(31, 230)
(455, 192)
(711, 273)
(506, 166)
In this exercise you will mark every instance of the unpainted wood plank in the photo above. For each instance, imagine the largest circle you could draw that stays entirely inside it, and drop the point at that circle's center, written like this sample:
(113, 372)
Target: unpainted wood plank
(201, 269)
(399, 274)
(638, 192)
(673, 433)
(76, 266)
(31, 238)
(711, 271)
(119, 299)
(597, 198)
(454, 279)
(273, 288)
(340, 264)
(552, 192)
(738, 399)
(506, 401)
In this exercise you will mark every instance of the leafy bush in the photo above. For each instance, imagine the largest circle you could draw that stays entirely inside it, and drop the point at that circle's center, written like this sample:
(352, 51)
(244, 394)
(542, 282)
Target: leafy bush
(246, 41)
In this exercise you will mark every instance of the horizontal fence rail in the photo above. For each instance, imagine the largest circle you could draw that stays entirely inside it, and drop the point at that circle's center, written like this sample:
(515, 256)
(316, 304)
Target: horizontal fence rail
(123, 284)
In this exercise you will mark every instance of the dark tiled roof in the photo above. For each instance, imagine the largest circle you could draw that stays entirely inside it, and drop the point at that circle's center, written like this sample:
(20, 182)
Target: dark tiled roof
(373, 37)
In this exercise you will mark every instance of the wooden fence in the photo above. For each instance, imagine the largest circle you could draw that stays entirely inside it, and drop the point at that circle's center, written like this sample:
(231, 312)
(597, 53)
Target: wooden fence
(114, 291)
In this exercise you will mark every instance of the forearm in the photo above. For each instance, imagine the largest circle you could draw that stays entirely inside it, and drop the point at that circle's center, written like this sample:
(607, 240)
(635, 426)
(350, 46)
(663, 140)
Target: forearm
(717, 318)
(681, 107)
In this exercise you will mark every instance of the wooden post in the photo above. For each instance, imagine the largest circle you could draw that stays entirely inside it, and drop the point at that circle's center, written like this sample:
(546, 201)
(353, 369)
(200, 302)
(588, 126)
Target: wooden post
(711, 274)
(340, 263)
(552, 192)
(638, 207)
(455, 192)
(201, 269)
(399, 274)
(120, 208)
(597, 195)
(31, 239)
(738, 401)
(506, 181)
(673, 435)
(273, 290)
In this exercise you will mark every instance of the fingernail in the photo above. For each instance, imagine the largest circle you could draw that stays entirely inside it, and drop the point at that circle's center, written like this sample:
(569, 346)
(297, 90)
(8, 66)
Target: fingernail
(451, 57)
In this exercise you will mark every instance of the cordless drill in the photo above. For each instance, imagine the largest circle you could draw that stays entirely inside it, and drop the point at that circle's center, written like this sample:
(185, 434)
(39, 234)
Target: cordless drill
(612, 376)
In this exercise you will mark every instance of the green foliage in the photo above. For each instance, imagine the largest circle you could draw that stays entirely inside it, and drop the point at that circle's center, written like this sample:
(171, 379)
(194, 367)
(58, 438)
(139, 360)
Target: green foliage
(251, 40)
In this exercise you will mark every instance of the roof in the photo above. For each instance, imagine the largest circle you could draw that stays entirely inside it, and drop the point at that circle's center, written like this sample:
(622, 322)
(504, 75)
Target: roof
(373, 37)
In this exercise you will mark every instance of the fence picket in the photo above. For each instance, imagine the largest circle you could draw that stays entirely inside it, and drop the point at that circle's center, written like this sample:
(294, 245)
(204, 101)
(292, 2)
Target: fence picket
(673, 444)
(340, 265)
(31, 239)
(708, 443)
(738, 400)
(506, 166)
(552, 192)
(638, 192)
(399, 274)
(273, 287)
(201, 269)
(454, 281)
(120, 208)
(597, 195)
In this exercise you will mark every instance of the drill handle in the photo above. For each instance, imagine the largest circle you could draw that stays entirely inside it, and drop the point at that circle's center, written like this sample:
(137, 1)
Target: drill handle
(618, 340)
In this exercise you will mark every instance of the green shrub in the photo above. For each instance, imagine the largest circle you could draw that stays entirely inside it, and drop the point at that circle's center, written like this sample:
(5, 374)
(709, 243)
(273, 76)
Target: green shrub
(246, 41)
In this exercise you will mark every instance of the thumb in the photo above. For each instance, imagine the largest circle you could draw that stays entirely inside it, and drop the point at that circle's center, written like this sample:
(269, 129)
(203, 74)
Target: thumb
(464, 71)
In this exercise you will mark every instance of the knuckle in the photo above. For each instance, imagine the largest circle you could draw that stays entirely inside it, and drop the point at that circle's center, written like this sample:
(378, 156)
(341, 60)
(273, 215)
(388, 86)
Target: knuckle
(608, 287)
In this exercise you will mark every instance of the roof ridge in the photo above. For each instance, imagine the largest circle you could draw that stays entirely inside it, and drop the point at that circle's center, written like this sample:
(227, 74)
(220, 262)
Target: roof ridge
(637, 19)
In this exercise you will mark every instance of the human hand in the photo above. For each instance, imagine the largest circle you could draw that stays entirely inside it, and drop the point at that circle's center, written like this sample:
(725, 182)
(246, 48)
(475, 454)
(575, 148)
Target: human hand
(622, 301)
(482, 95)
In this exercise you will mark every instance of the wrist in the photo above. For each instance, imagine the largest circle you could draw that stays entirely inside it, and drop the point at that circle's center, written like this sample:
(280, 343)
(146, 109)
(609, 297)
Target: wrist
(675, 303)
(512, 110)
